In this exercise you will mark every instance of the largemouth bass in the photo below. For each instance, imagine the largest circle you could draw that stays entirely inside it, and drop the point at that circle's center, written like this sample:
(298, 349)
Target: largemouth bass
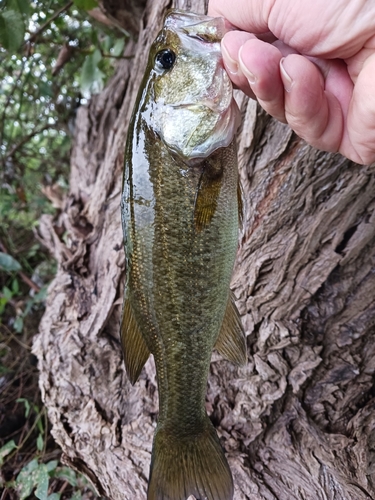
(180, 212)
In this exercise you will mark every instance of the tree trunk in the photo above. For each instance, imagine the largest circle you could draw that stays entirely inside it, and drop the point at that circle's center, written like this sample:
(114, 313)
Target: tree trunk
(298, 422)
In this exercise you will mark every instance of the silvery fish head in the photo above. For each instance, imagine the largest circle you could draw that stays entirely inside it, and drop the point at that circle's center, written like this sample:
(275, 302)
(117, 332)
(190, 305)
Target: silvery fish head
(189, 100)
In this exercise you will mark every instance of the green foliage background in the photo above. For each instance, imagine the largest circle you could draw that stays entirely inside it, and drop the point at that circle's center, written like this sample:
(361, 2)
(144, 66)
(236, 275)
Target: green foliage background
(53, 58)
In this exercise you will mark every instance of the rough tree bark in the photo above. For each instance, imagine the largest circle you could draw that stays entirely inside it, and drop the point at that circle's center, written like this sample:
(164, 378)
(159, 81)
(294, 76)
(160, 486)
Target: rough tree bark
(298, 422)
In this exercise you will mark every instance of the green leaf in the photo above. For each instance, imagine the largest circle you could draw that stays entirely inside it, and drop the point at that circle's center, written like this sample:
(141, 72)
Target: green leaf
(12, 30)
(35, 248)
(86, 4)
(25, 481)
(42, 480)
(15, 287)
(25, 486)
(22, 6)
(45, 89)
(96, 56)
(76, 496)
(7, 262)
(30, 467)
(27, 406)
(66, 474)
(51, 465)
(107, 43)
(40, 442)
(94, 38)
(36, 409)
(7, 293)
(118, 47)
(54, 496)
(91, 76)
(3, 303)
(6, 449)
(40, 426)
(18, 324)
(29, 305)
(41, 295)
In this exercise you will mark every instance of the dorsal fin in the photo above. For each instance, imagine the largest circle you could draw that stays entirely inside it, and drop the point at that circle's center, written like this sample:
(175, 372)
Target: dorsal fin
(231, 342)
(134, 347)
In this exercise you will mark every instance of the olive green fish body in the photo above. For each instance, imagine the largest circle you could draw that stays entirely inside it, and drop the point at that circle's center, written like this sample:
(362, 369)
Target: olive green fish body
(180, 216)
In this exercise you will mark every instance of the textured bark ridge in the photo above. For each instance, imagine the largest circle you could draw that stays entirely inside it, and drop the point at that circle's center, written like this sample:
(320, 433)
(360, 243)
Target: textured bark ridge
(298, 422)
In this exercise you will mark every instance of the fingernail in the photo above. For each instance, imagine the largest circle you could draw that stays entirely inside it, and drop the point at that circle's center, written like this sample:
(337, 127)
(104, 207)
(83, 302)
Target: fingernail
(245, 70)
(230, 63)
(287, 80)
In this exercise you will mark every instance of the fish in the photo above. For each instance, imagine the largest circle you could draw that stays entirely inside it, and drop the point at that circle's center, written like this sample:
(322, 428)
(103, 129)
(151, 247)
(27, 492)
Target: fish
(181, 209)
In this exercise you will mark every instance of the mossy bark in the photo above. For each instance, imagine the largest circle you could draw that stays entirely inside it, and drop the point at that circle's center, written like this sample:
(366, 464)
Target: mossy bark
(298, 422)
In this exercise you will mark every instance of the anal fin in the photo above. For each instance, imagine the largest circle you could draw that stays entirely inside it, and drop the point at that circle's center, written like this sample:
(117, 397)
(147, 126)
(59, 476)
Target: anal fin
(134, 347)
(231, 342)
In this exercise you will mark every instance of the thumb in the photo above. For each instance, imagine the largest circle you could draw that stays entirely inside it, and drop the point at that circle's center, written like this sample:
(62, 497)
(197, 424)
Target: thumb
(248, 15)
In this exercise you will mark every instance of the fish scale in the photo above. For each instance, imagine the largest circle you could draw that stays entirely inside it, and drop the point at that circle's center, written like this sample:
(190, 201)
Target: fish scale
(180, 212)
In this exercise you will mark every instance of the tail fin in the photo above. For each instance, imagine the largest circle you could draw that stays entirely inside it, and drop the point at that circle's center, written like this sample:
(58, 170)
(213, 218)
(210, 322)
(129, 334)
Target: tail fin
(192, 465)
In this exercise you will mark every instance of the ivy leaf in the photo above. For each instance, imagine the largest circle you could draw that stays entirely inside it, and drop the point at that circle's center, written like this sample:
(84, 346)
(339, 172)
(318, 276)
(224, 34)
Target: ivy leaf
(30, 467)
(6, 449)
(42, 480)
(25, 487)
(86, 4)
(12, 30)
(7, 262)
(51, 465)
(54, 496)
(25, 479)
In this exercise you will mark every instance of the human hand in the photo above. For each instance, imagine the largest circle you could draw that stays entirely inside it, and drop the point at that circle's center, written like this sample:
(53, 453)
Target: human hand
(311, 65)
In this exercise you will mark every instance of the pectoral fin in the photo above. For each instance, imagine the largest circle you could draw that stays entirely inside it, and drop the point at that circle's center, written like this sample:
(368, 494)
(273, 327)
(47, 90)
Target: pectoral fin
(134, 347)
(231, 342)
(207, 194)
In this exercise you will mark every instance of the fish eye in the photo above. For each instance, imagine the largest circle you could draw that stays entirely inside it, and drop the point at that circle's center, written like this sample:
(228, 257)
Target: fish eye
(165, 59)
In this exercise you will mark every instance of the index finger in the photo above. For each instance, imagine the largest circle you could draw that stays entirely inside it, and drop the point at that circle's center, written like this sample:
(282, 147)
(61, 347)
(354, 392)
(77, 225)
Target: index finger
(247, 15)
